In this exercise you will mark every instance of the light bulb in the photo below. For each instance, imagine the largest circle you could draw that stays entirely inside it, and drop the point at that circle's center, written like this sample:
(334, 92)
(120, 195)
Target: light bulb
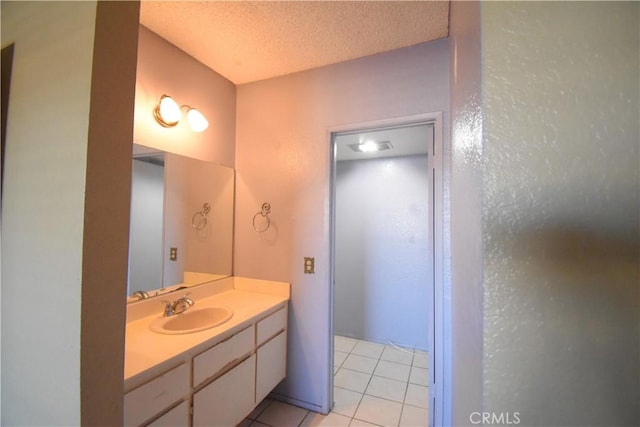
(368, 147)
(196, 120)
(168, 111)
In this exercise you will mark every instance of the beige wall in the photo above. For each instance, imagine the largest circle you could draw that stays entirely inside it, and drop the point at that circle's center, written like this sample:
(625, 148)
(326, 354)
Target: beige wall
(59, 192)
(282, 157)
(561, 211)
(165, 69)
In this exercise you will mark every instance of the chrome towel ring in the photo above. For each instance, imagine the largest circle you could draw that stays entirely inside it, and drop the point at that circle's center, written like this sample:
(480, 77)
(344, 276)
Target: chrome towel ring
(266, 222)
(199, 219)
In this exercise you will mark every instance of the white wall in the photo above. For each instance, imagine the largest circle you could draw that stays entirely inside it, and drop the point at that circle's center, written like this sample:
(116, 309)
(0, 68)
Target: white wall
(464, 284)
(165, 69)
(282, 157)
(43, 210)
(382, 250)
(65, 211)
(560, 211)
(145, 241)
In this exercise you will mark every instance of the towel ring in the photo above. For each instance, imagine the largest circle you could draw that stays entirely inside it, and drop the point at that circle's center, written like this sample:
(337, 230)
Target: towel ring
(199, 219)
(264, 213)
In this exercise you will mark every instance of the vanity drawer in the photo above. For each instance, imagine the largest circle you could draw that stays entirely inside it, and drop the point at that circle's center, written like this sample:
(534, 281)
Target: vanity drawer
(271, 325)
(178, 416)
(153, 397)
(223, 354)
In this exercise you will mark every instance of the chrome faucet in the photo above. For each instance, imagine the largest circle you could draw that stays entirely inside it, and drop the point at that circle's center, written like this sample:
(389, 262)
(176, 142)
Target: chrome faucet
(140, 294)
(178, 306)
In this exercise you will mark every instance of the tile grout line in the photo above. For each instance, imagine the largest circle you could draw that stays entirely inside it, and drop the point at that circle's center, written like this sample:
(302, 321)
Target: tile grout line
(363, 391)
(371, 375)
(369, 382)
(361, 395)
(365, 388)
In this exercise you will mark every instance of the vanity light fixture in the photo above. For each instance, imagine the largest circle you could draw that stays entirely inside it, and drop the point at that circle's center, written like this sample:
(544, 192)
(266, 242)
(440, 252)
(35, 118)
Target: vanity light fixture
(168, 113)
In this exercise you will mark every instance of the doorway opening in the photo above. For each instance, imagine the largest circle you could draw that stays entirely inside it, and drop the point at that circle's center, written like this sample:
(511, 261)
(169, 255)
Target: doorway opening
(384, 269)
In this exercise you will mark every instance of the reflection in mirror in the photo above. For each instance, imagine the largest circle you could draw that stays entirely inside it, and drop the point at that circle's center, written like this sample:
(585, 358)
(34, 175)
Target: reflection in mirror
(181, 231)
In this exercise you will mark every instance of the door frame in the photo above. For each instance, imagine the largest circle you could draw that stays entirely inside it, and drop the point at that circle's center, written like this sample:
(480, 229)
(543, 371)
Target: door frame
(436, 263)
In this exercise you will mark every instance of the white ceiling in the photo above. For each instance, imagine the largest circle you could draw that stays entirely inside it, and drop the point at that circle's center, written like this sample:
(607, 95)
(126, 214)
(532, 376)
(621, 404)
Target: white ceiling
(247, 41)
(405, 140)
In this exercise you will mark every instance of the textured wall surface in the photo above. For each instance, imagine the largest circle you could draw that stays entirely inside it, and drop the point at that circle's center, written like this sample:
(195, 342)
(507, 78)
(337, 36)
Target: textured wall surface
(561, 212)
(282, 157)
(382, 249)
(464, 369)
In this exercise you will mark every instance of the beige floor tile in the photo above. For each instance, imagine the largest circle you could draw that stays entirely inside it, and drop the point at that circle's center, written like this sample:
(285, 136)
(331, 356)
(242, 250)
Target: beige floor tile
(360, 363)
(245, 423)
(392, 354)
(359, 423)
(258, 409)
(379, 411)
(414, 417)
(419, 376)
(330, 420)
(368, 349)
(421, 359)
(417, 395)
(351, 380)
(395, 371)
(345, 402)
(344, 344)
(339, 358)
(387, 389)
(282, 414)
(258, 424)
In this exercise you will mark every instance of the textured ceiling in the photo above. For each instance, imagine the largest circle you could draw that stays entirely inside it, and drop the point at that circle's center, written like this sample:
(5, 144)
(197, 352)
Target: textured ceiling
(247, 41)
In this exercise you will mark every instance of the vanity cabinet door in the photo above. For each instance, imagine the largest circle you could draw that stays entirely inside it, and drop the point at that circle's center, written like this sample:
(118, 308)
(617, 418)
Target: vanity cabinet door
(271, 365)
(155, 396)
(228, 399)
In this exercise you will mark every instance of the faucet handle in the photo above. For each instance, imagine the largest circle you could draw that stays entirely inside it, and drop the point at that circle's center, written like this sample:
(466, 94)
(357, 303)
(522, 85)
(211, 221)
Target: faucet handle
(184, 298)
(168, 308)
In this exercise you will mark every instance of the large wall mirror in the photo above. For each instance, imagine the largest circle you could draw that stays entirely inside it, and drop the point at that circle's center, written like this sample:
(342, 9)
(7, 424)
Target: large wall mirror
(181, 231)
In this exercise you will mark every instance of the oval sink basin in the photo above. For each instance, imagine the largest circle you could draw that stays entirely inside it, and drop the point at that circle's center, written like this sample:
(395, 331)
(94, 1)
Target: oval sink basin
(191, 321)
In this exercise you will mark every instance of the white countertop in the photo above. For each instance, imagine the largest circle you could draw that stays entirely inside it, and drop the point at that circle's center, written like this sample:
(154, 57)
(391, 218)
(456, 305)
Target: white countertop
(249, 299)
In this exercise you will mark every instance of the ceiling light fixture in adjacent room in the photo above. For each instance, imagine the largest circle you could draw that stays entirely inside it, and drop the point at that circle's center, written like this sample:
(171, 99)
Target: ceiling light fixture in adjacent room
(168, 113)
(371, 146)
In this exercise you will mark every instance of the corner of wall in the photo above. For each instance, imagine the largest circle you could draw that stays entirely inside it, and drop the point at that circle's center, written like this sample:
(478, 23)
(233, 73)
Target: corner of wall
(106, 220)
(464, 369)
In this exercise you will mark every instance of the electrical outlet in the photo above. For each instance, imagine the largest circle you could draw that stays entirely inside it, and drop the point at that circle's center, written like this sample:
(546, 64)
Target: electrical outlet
(173, 254)
(309, 263)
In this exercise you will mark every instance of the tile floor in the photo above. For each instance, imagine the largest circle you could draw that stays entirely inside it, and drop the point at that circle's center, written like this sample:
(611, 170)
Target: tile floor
(374, 385)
